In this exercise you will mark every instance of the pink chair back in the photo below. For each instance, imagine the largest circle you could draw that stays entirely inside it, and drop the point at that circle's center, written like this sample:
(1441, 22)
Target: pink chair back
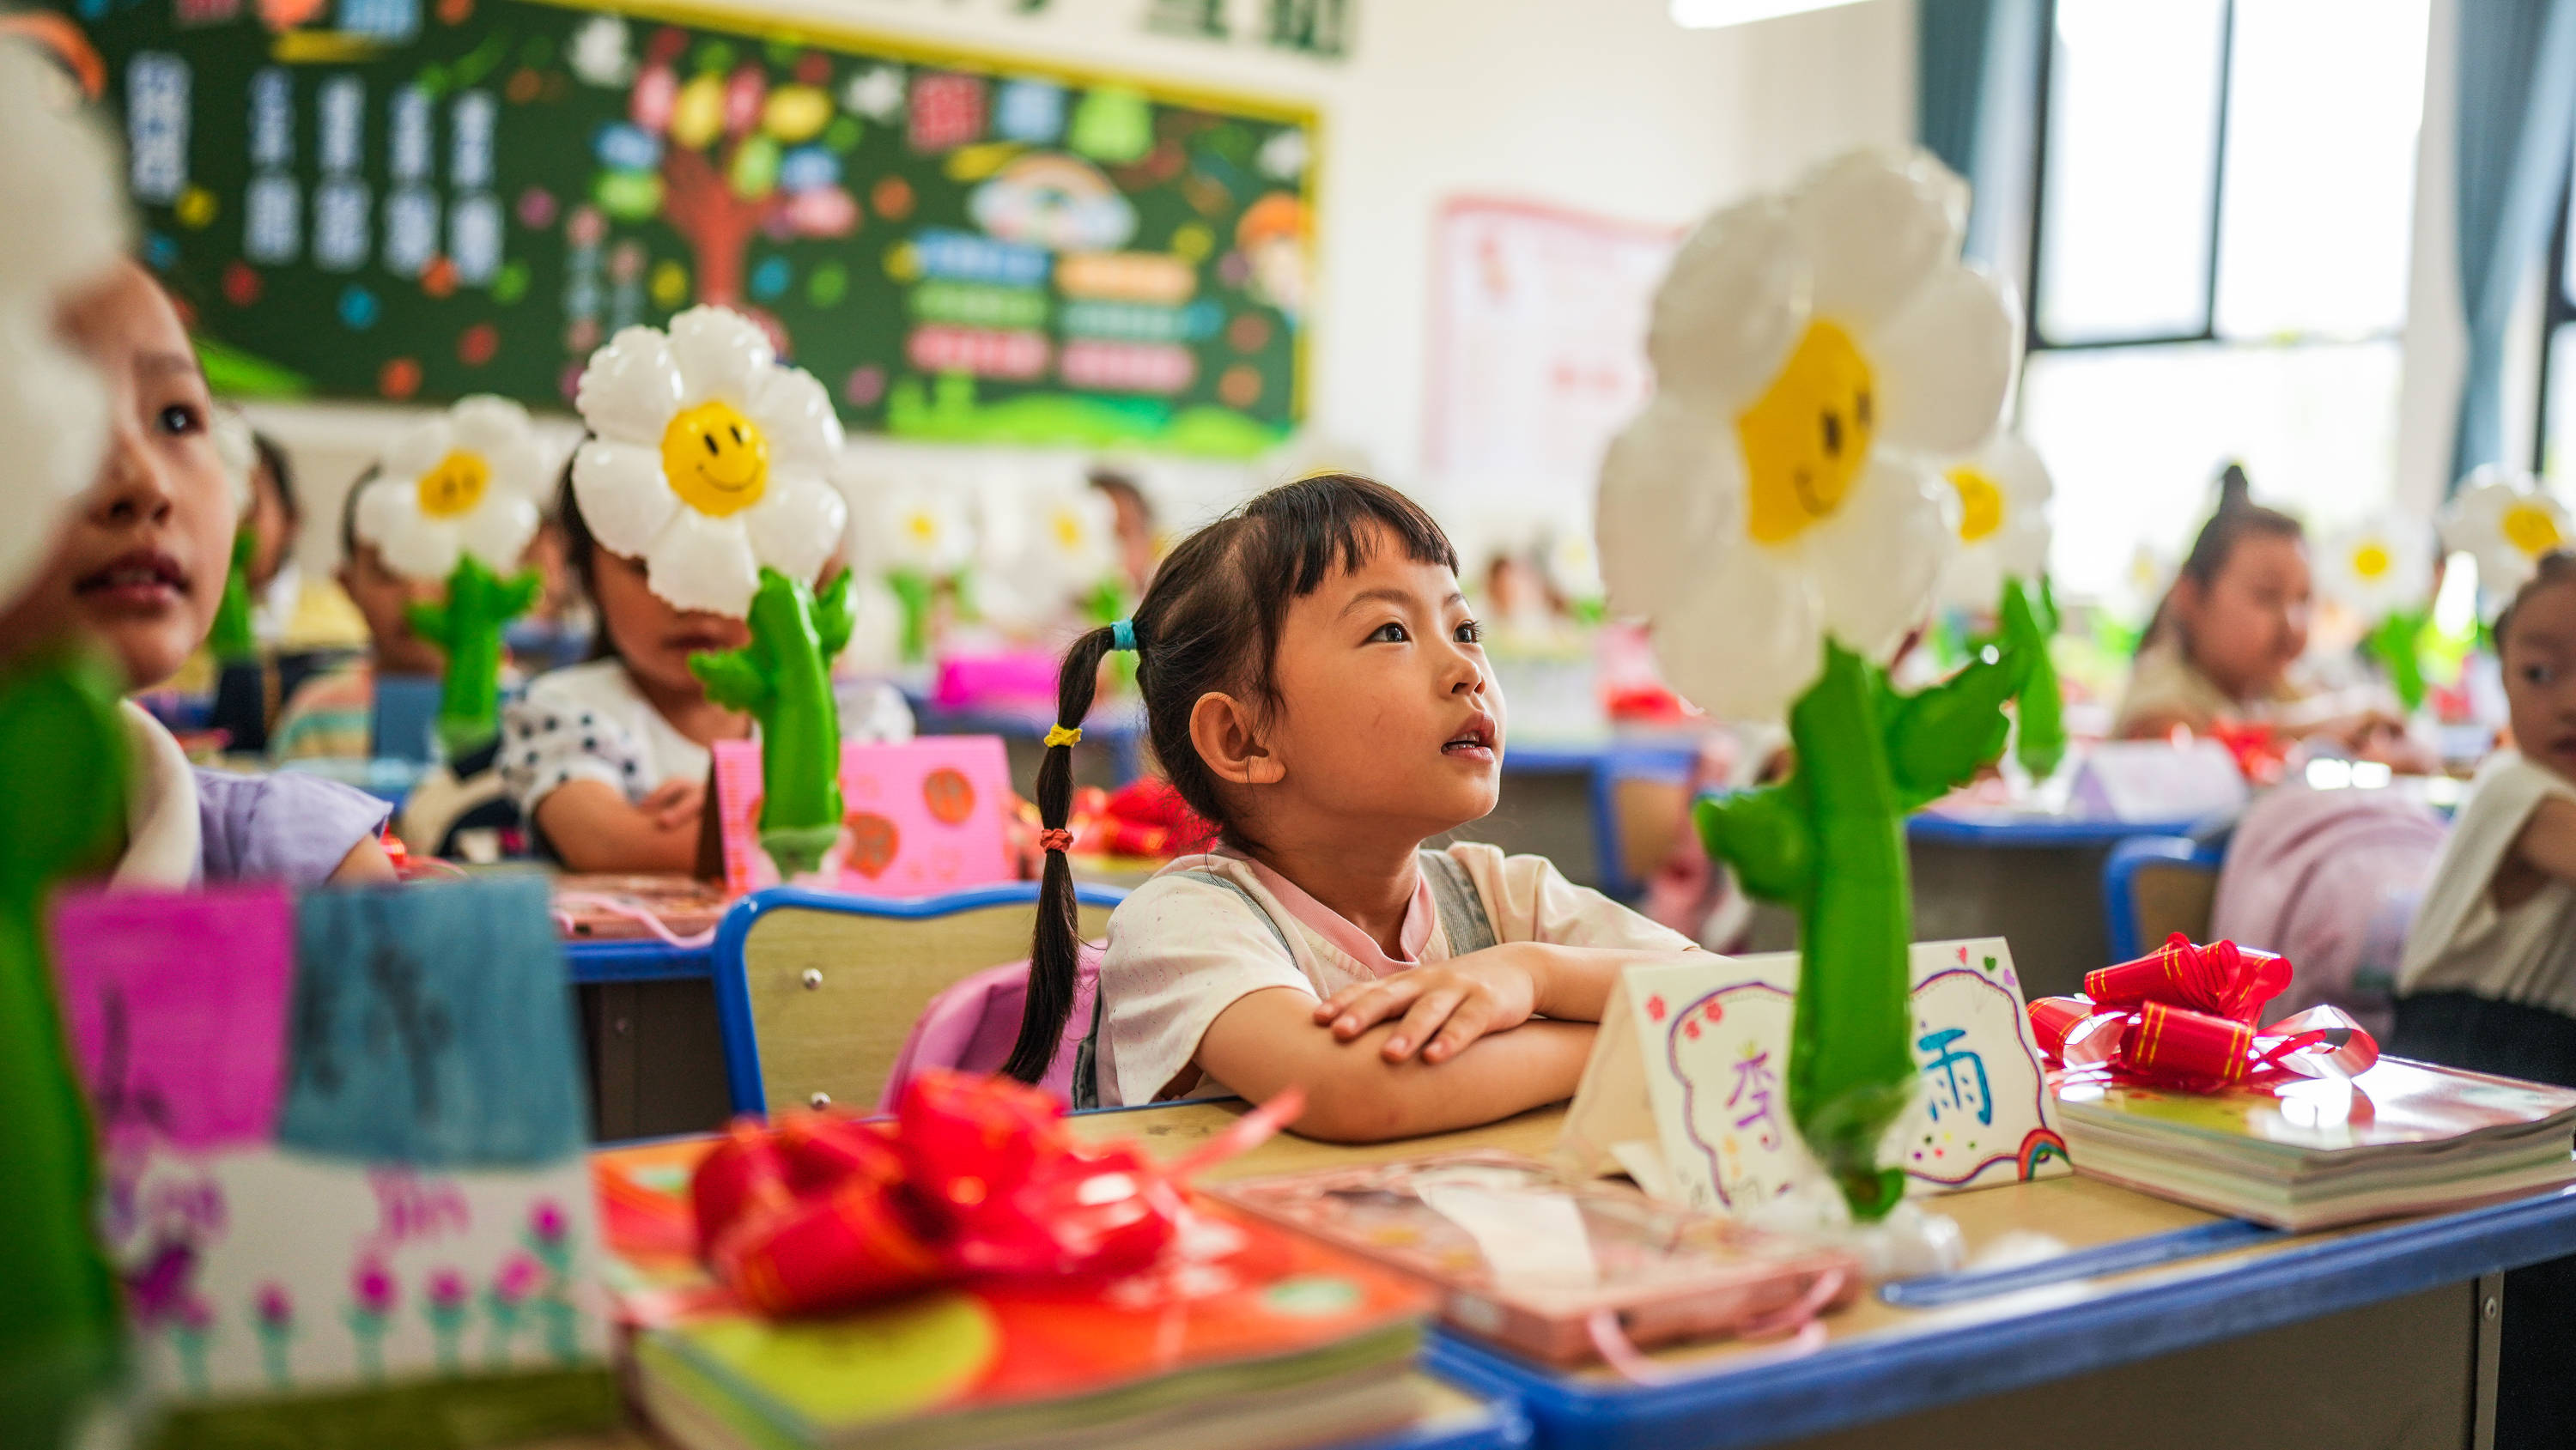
(970, 1027)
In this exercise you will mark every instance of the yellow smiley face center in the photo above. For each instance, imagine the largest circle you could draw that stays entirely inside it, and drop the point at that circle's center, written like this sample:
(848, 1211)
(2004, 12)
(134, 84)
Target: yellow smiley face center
(2530, 528)
(2371, 561)
(1981, 504)
(716, 459)
(1068, 530)
(1805, 440)
(455, 486)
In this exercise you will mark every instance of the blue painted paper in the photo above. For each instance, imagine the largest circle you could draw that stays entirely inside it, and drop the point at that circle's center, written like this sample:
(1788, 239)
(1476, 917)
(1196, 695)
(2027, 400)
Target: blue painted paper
(432, 1025)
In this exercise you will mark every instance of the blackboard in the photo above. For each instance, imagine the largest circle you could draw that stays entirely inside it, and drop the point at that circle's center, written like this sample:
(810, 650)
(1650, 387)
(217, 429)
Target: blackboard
(421, 199)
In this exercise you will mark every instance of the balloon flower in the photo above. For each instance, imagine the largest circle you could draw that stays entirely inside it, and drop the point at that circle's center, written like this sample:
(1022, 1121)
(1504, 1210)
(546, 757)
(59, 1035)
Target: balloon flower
(233, 637)
(1776, 515)
(921, 537)
(2002, 564)
(61, 223)
(2381, 569)
(708, 461)
(1059, 546)
(2508, 524)
(455, 503)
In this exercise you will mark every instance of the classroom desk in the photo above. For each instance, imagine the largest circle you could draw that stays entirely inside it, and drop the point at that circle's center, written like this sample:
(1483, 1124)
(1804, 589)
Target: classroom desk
(2384, 1334)
(1560, 799)
(2035, 881)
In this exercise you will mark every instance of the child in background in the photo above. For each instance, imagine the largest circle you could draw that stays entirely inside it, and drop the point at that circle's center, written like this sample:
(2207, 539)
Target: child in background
(2489, 978)
(2225, 645)
(140, 568)
(1314, 686)
(333, 713)
(276, 517)
(609, 758)
(1139, 543)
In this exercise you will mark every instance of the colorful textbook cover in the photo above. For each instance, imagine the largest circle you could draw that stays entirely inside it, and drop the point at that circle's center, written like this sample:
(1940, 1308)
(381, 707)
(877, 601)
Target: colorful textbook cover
(1243, 1315)
(341, 1151)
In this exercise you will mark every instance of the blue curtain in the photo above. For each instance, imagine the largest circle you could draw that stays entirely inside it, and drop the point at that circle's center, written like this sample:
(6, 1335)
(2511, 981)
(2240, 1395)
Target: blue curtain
(2517, 104)
(1975, 62)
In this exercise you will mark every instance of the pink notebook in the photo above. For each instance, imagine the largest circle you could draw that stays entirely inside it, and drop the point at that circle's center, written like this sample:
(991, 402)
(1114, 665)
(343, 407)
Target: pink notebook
(1545, 1263)
(918, 818)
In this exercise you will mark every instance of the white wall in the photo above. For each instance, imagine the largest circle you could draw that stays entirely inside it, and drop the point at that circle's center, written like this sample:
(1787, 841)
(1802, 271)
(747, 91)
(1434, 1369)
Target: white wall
(1601, 105)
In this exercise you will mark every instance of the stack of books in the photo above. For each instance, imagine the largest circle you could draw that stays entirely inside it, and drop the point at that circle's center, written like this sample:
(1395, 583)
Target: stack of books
(2402, 1138)
(1253, 1336)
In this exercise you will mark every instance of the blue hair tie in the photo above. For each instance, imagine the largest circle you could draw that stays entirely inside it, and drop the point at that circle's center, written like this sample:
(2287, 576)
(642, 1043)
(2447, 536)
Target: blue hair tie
(1122, 635)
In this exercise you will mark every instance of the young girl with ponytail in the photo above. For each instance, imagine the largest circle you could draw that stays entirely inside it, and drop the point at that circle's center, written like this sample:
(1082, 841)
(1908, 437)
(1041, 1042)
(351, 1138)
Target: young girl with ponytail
(1314, 686)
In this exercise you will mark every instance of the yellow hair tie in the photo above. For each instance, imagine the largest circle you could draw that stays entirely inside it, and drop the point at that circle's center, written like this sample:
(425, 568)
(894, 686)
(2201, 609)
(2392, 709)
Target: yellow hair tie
(1058, 735)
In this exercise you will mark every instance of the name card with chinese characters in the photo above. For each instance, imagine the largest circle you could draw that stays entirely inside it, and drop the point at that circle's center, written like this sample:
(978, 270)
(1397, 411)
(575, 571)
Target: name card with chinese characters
(1687, 1090)
(340, 1145)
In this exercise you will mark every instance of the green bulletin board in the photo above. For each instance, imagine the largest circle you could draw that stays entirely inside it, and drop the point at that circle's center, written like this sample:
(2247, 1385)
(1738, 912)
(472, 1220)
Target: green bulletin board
(399, 199)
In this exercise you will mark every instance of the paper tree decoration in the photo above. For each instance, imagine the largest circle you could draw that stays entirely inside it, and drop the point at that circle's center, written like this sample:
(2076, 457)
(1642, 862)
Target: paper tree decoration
(454, 502)
(2002, 564)
(708, 462)
(2508, 524)
(234, 637)
(1775, 515)
(2381, 569)
(65, 748)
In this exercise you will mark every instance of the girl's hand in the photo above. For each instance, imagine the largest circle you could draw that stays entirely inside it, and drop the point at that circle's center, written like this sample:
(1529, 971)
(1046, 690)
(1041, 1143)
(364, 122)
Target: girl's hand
(1444, 1006)
(674, 803)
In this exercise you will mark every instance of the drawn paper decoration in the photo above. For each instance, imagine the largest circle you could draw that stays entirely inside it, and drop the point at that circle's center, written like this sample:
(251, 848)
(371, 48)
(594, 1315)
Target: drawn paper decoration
(947, 111)
(351, 1166)
(1687, 1086)
(924, 817)
(156, 126)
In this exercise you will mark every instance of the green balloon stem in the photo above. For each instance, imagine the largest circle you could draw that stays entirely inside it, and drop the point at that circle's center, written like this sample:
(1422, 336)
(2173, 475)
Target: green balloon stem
(60, 1337)
(233, 636)
(467, 627)
(1830, 843)
(2396, 644)
(783, 678)
(2028, 626)
(912, 590)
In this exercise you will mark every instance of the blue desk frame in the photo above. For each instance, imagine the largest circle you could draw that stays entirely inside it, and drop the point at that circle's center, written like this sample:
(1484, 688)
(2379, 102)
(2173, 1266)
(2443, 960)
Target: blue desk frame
(593, 960)
(2031, 832)
(1879, 1377)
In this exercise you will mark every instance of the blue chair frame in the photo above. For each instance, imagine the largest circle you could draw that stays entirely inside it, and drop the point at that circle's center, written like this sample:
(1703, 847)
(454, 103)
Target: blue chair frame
(733, 983)
(2119, 871)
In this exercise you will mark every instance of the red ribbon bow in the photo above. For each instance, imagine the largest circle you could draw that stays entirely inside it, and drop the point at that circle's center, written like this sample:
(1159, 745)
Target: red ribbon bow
(2185, 1018)
(972, 1177)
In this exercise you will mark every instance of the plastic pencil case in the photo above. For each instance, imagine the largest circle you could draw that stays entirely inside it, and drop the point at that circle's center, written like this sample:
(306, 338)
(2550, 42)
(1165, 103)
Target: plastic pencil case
(1550, 1265)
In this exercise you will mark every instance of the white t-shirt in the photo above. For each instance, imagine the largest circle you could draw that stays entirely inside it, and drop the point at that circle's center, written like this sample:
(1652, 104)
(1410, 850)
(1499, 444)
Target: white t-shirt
(1182, 950)
(589, 722)
(2461, 942)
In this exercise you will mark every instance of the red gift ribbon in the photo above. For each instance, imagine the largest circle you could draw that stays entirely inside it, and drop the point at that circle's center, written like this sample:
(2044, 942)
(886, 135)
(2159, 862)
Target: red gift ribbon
(972, 1177)
(2184, 1017)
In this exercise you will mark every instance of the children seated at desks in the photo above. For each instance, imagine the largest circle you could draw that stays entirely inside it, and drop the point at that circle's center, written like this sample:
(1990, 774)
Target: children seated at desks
(1313, 684)
(608, 758)
(333, 713)
(139, 568)
(2225, 646)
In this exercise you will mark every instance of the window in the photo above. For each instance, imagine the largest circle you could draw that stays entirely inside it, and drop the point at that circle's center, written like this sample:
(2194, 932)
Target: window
(2220, 241)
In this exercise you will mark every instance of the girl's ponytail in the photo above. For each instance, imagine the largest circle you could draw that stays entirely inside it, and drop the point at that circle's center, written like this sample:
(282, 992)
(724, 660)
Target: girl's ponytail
(1055, 954)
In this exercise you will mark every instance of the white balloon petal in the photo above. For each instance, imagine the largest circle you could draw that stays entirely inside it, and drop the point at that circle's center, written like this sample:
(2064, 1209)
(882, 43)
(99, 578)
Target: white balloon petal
(422, 549)
(499, 531)
(722, 354)
(1672, 481)
(1730, 308)
(2003, 529)
(59, 188)
(1744, 638)
(487, 424)
(623, 496)
(630, 390)
(702, 563)
(796, 527)
(1875, 225)
(795, 414)
(1875, 561)
(1946, 362)
(2508, 523)
(417, 449)
(520, 467)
